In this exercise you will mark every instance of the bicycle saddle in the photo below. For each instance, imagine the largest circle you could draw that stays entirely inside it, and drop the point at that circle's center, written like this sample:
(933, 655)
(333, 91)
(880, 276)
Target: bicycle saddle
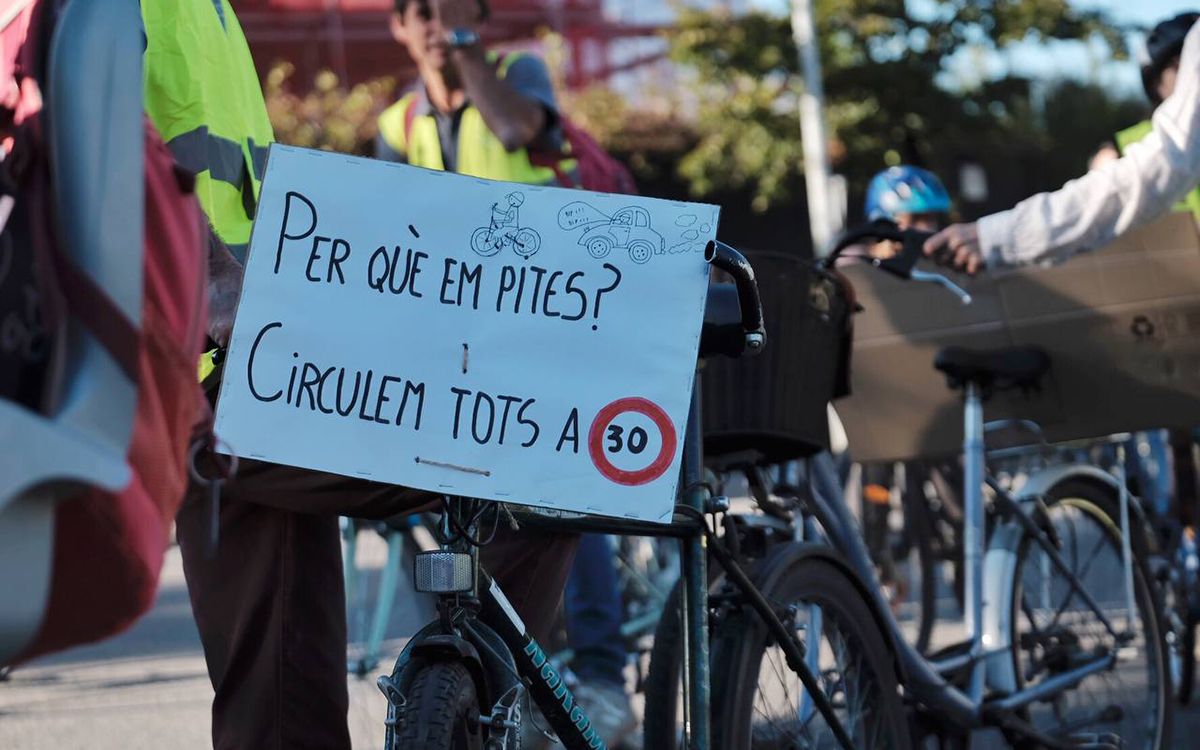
(1011, 367)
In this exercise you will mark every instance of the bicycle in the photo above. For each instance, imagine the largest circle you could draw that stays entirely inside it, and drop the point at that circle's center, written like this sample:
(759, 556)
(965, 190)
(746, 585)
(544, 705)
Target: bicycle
(1174, 561)
(1043, 637)
(462, 680)
(489, 240)
(910, 556)
(1023, 667)
(367, 615)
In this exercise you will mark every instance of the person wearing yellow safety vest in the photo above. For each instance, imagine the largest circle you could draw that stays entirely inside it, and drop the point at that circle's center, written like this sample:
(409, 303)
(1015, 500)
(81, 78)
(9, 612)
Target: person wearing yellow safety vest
(203, 95)
(1159, 71)
(471, 111)
(1152, 175)
(478, 113)
(269, 604)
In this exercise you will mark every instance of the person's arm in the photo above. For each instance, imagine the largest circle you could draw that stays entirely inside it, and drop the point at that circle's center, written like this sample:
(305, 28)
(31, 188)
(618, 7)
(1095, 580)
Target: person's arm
(1089, 212)
(514, 118)
(224, 289)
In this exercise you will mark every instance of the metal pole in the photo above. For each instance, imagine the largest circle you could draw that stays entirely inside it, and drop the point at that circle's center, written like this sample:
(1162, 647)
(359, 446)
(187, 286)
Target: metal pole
(1126, 551)
(973, 532)
(695, 584)
(812, 127)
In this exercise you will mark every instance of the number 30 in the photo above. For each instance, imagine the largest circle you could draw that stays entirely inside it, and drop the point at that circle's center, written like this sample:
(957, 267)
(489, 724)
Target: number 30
(637, 439)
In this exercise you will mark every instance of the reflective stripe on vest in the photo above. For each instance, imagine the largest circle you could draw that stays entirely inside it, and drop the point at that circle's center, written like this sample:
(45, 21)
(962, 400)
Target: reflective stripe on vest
(480, 152)
(1191, 201)
(198, 150)
(203, 95)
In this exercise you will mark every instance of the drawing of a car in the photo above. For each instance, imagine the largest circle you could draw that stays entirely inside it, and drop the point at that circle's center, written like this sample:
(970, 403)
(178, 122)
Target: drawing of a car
(628, 228)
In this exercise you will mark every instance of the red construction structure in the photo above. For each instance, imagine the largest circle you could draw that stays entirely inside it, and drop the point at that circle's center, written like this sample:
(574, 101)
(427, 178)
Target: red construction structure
(351, 37)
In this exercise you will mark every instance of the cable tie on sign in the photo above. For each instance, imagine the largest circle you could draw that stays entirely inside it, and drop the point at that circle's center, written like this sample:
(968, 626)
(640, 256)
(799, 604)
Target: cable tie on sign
(508, 516)
(454, 467)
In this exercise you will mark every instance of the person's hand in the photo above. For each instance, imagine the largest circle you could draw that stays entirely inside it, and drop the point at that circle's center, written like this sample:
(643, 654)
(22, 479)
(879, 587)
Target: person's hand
(225, 276)
(222, 305)
(957, 246)
(458, 14)
(885, 250)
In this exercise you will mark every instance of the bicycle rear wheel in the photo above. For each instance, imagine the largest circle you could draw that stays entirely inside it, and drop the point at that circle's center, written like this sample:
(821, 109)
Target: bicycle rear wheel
(918, 524)
(1187, 664)
(1181, 646)
(760, 704)
(661, 725)
(1056, 631)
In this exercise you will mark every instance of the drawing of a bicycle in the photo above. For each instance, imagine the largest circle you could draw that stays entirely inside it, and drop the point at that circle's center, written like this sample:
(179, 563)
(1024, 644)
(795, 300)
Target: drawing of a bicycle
(503, 231)
(487, 241)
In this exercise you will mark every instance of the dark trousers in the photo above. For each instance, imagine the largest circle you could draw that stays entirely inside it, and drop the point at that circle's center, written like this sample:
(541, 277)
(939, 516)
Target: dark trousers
(270, 605)
(592, 611)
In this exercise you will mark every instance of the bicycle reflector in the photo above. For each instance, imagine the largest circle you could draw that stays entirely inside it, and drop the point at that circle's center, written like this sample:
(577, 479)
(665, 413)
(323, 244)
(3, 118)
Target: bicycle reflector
(443, 572)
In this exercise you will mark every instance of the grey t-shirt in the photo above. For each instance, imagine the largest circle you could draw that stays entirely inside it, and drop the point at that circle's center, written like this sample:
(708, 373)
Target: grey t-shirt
(527, 75)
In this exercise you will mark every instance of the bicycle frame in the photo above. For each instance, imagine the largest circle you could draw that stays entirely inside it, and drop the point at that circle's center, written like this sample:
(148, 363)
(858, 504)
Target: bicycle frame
(987, 660)
(496, 617)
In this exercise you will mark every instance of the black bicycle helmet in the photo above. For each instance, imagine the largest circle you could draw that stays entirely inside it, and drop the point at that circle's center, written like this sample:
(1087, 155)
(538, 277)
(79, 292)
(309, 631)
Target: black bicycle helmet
(1163, 44)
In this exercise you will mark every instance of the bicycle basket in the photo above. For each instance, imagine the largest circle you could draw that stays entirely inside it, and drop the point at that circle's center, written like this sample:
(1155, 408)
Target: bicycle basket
(773, 407)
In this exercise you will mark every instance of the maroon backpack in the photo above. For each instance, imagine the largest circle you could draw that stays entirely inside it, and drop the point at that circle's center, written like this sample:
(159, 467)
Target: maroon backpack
(109, 526)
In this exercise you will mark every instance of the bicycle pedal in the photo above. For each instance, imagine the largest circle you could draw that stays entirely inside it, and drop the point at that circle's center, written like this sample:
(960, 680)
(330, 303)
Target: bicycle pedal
(1096, 741)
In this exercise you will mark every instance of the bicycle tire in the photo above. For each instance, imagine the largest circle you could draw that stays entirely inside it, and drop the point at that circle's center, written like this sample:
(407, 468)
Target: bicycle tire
(742, 641)
(442, 711)
(917, 520)
(660, 727)
(1178, 630)
(1187, 664)
(1088, 501)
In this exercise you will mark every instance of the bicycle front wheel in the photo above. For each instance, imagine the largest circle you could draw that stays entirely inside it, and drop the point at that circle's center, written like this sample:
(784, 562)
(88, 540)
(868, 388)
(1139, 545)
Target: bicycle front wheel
(1057, 631)
(443, 711)
(759, 703)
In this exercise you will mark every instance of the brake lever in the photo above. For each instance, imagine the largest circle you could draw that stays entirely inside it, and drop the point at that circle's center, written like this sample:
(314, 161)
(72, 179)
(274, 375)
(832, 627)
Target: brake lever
(904, 264)
(944, 282)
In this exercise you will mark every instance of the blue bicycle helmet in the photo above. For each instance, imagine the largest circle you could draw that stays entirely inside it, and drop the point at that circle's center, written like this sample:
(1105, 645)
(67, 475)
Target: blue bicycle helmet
(906, 190)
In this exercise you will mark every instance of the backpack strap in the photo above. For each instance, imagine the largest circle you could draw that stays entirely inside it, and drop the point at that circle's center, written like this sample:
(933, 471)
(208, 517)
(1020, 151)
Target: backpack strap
(95, 310)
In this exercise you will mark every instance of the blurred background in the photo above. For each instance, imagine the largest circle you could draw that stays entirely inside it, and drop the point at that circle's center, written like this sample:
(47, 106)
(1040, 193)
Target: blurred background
(1002, 99)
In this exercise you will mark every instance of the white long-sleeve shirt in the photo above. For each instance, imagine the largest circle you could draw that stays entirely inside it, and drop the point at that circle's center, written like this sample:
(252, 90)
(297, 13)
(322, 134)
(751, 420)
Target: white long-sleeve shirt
(1089, 212)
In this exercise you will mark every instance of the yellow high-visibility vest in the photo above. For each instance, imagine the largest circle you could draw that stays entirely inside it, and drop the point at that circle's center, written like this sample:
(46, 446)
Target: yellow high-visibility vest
(203, 95)
(480, 153)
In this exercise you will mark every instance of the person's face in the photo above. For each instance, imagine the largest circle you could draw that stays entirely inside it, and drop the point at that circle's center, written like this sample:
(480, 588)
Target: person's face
(928, 222)
(419, 28)
(1166, 80)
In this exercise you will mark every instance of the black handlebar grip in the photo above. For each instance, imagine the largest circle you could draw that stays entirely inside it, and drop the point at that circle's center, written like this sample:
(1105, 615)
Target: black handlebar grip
(735, 264)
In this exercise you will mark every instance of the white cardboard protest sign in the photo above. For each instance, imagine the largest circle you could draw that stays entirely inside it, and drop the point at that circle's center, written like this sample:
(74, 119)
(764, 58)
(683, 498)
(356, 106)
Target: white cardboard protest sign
(528, 344)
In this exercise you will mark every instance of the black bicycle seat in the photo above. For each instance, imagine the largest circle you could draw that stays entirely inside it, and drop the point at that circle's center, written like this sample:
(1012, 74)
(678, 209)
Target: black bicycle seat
(993, 369)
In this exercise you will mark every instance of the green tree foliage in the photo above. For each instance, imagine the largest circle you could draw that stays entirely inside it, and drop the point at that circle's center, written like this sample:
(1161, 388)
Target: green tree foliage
(883, 61)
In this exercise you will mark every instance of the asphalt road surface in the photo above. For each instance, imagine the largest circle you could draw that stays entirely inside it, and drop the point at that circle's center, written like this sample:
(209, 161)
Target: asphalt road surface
(147, 689)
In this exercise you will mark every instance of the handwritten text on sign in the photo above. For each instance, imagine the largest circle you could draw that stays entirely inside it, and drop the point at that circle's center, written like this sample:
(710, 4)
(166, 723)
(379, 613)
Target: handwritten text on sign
(527, 344)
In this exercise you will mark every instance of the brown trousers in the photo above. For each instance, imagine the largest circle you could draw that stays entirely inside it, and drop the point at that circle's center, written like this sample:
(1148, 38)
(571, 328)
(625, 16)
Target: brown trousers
(270, 606)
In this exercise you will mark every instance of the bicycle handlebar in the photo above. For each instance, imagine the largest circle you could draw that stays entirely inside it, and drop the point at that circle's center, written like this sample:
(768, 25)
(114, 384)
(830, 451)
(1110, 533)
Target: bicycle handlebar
(903, 264)
(724, 257)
